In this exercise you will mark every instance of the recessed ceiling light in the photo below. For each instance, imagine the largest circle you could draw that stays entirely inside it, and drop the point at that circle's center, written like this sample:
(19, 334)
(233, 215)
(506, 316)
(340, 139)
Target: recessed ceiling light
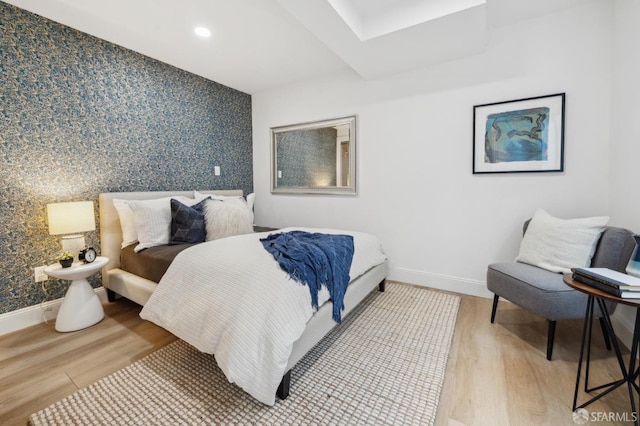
(202, 32)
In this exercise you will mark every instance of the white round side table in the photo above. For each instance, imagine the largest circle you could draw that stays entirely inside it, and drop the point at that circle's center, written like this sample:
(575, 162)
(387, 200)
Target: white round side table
(81, 307)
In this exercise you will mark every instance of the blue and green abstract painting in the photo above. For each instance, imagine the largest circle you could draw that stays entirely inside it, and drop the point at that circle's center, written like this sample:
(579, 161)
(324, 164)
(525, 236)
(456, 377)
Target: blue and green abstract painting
(517, 136)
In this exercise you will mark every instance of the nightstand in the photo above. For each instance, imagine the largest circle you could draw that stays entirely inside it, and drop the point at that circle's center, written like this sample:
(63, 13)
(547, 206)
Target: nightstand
(81, 307)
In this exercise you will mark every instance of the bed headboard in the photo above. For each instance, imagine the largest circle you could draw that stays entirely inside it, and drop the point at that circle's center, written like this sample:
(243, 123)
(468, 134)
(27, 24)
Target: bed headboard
(110, 230)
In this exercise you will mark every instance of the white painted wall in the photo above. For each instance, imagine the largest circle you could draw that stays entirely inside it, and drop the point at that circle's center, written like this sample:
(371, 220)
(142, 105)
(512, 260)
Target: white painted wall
(625, 113)
(625, 131)
(440, 224)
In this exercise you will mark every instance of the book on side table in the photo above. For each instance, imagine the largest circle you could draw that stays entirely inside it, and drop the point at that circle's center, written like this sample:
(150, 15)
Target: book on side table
(613, 282)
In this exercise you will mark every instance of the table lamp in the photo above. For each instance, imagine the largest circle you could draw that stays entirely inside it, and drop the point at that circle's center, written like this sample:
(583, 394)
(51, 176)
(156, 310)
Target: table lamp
(71, 218)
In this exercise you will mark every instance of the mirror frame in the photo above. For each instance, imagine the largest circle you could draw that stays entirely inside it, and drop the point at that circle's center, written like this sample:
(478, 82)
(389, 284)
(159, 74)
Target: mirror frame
(351, 189)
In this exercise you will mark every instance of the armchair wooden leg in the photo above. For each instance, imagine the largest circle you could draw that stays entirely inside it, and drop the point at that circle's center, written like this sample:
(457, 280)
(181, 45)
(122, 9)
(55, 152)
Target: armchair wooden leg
(550, 336)
(605, 334)
(495, 307)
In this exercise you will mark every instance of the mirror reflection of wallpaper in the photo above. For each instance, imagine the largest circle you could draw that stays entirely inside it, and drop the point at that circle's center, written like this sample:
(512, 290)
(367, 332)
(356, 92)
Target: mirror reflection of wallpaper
(307, 157)
(80, 116)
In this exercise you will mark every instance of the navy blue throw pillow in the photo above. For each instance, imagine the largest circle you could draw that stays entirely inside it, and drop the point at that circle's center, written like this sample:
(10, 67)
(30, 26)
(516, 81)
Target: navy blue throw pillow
(187, 223)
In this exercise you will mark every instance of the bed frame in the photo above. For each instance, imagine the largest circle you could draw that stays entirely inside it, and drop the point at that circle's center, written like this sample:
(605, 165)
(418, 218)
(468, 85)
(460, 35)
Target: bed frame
(119, 282)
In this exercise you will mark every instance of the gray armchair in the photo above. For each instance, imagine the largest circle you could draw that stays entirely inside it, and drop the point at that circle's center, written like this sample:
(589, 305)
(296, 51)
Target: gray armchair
(545, 294)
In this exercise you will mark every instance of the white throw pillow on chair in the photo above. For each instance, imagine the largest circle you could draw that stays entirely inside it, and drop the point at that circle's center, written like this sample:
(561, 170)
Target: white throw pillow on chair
(558, 245)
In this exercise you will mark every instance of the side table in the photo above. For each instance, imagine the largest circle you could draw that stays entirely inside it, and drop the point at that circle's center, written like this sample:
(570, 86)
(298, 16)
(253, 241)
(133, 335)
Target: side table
(81, 307)
(631, 372)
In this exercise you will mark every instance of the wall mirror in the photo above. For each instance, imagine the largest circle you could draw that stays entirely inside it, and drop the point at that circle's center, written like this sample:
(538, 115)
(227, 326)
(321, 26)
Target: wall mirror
(314, 158)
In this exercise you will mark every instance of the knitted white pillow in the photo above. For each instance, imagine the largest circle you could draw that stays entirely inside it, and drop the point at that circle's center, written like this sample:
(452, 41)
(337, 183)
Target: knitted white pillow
(558, 245)
(227, 217)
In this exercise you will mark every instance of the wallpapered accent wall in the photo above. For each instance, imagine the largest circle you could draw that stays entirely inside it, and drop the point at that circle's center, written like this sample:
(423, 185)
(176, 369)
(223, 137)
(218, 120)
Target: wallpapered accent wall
(307, 157)
(80, 116)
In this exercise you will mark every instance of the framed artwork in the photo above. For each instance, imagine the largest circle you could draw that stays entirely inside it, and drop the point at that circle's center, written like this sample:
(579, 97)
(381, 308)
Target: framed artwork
(525, 135)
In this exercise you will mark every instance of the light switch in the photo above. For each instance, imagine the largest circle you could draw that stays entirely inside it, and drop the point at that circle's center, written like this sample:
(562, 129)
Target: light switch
(216, 170)
(279, 174)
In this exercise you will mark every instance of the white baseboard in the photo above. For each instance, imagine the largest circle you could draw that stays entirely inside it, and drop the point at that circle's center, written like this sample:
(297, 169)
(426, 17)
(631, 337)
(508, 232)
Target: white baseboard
(441, 282)
(32, 315)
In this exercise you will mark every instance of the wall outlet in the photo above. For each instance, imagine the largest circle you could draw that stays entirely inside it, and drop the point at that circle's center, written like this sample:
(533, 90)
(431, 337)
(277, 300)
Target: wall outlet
(39, 274)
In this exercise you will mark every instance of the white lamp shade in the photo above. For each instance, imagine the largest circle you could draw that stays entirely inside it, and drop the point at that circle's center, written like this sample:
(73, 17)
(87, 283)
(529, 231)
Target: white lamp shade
(70, 218)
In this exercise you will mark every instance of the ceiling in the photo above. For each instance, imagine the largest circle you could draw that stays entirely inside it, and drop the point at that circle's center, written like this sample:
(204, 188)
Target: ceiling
(257, 45)
(369, 19)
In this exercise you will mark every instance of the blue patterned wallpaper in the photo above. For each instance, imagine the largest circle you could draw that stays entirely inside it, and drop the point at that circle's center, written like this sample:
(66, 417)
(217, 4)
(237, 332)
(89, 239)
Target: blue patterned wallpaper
(307, 157)
(80, 116)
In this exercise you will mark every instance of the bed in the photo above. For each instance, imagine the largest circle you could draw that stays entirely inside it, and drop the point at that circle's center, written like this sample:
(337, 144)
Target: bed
(117, 281)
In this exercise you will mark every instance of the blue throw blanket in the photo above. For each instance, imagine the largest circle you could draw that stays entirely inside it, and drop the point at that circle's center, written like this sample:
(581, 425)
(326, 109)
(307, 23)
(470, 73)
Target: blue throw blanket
(315, 260)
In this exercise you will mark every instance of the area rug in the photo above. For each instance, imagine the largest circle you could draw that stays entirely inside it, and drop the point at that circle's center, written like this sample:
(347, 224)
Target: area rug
(384, 365)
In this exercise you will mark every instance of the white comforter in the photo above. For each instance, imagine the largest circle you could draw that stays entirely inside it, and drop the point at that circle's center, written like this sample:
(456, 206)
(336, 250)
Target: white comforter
(230, 298)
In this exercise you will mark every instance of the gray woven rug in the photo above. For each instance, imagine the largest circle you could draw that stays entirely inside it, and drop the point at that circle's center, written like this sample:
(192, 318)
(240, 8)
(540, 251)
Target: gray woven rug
(384, 365)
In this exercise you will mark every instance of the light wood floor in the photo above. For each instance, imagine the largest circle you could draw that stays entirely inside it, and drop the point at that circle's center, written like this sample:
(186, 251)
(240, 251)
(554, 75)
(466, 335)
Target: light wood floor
(497, 374)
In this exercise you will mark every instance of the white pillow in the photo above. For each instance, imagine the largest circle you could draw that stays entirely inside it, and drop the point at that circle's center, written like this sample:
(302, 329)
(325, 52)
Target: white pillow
(250, 199)
(558, 245)
(127, 222)
(199, 196)
(202, 196)
(224, 218)
(153, 220)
